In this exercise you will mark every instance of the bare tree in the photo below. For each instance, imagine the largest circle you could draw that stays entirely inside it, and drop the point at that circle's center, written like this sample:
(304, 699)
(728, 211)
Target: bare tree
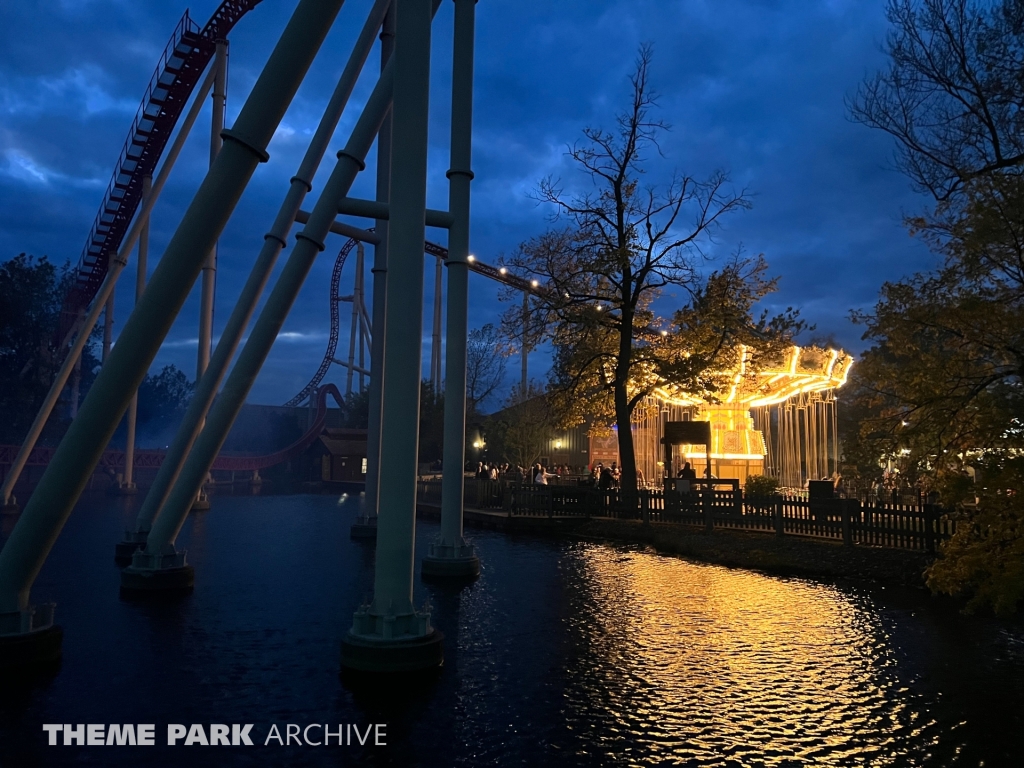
(953, 92)
(620, 245)
(487, 352)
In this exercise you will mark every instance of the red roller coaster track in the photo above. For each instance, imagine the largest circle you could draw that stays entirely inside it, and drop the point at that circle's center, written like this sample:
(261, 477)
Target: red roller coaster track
(181, 65)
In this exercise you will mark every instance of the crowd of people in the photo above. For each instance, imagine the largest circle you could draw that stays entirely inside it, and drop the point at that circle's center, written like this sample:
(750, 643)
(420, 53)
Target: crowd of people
(538, 473)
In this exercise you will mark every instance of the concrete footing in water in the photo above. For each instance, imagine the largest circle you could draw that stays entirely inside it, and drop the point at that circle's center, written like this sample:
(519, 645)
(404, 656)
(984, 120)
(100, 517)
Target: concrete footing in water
(360, 653)
(158, 575)
(30, 653)
(364, 528)
(445, 562)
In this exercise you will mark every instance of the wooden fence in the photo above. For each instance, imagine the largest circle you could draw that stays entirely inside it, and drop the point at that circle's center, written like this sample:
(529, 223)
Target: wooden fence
(714, 506)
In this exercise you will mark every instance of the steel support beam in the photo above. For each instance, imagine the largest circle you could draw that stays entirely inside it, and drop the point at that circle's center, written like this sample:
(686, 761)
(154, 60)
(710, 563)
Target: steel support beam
(220, 98)
(365, 526)
(79, 452)
(354, 323)
(159, 561)
(345, 230)
(108, 326)
(450, 555)
(274, 242)
(389, 634)
(435, 336)
(374, 209)
(141, 266)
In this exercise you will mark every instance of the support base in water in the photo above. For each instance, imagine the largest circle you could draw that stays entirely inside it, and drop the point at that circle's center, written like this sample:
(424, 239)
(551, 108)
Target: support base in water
(122, 489)
(201, 504)
(451, 562)
(450, 568)
(372, 654)
(132, 543)
(158, 574)
(10, 508)
(28, 653)
(124, 550)
(364, 528)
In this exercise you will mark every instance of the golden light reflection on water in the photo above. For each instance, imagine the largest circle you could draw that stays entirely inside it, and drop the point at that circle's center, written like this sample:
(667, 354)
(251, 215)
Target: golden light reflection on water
(731, 665)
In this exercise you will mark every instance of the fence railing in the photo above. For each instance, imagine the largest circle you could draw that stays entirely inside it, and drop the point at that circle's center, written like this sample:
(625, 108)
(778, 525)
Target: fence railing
(711, 506)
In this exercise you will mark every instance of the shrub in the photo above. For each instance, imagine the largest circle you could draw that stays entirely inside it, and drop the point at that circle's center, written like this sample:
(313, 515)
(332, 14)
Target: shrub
(760, 486)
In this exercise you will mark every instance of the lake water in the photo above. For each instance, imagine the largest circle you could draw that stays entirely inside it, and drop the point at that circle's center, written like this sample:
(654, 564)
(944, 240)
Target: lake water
(561, 654)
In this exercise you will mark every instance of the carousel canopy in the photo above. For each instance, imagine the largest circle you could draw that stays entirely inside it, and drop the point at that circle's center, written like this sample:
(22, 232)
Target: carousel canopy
(800, 370)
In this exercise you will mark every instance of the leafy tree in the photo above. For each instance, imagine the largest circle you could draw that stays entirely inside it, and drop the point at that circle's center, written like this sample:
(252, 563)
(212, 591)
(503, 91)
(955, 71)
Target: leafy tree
(984, 560)
(941, 386)
(356, 414)
(487, 352)
(601, 272)
(163, 399)
(31, 293)
(431, 423)
(523, 429)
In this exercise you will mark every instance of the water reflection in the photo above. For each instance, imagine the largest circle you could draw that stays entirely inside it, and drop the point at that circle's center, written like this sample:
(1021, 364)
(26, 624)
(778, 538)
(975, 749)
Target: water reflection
(699, 663)
(560, 654)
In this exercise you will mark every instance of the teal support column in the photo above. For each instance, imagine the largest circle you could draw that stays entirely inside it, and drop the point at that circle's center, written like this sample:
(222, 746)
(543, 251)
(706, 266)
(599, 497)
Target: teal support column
(450, 555)
(365, 526)
(141, 267)
(273, 243)
(389, 634)
(80, 450)
(159, 566)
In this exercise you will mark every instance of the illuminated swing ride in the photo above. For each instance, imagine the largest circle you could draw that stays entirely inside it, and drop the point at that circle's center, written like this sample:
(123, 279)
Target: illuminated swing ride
(777, 420)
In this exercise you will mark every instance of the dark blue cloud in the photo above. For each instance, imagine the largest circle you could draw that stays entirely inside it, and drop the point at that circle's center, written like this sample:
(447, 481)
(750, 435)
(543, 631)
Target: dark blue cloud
(750, 86)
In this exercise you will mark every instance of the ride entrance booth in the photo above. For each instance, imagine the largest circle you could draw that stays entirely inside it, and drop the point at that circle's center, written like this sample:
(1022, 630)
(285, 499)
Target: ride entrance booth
(696, 495)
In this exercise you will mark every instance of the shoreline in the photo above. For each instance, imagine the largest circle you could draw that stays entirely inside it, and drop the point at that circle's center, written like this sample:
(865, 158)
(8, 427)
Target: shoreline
(764, 552)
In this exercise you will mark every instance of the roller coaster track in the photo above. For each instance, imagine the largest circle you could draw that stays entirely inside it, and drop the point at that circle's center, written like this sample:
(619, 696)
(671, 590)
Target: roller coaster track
(113, 461)
(181, 65)
(432, 249)
(332, 342)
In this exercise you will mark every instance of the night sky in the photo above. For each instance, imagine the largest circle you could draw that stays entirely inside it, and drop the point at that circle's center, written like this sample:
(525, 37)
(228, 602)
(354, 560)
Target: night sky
(755, 87)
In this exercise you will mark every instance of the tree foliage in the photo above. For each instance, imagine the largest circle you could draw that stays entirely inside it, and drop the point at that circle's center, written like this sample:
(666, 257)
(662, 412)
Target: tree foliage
(431, 440)
(521, 432)
(984, 560)
(619, 245)
(940, 388)
(31, 293)
(952, 93)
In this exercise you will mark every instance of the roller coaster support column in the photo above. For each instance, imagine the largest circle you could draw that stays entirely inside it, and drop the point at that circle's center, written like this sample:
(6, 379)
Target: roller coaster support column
(389, 635)
(24, 637)
(117, 263)
(108, 326)
(365, 526)
(274, 241)
(435, 337)
(159, 566)
(220, 65)
(354, 327)
(127, 486)
(450, 555)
